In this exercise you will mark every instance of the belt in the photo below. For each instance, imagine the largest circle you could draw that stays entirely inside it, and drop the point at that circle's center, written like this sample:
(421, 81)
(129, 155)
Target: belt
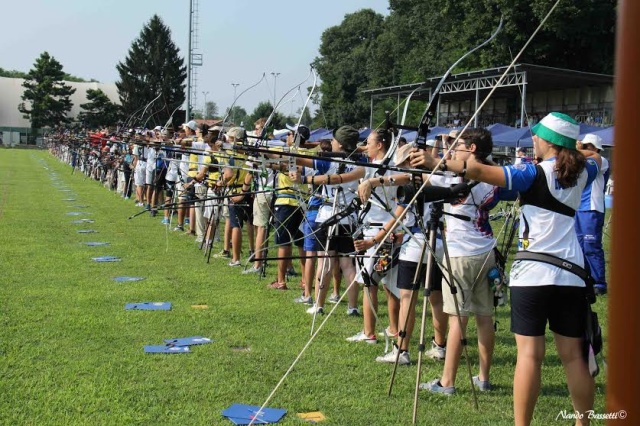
(376, 224)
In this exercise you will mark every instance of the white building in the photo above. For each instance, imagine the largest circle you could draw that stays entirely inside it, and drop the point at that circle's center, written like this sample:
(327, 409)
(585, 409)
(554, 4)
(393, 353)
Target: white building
(14, 128)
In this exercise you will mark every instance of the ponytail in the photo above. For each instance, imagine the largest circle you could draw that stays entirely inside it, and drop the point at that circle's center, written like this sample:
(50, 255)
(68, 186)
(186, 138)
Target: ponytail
(569, 165)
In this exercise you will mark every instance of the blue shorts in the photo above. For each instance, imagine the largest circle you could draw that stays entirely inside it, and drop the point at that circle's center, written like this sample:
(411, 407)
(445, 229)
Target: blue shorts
(237, 215)
(309, 227)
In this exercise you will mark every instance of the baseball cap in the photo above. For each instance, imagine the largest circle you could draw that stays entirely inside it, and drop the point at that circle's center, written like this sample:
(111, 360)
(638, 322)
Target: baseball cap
(347, 136)
(237, 133)
(402, 154)
(592, 139)
(302, 130)
(191, 124)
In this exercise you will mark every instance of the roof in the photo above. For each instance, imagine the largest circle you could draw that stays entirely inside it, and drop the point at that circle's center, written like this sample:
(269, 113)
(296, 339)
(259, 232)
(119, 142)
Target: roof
(537, 78)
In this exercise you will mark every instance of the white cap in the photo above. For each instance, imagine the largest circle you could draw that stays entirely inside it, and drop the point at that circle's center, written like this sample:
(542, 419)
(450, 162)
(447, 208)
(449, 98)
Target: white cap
(431, 142)
(191, 124)
(592, 139)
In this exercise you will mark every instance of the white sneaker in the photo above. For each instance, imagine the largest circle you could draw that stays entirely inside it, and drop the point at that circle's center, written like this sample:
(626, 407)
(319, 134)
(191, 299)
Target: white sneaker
(199, 239)
(334, 298)
(361, 337)
(436, 352)
(387, 333)
(251, 270)
(390, 357)
(232, 263)
(316, 309)
(353, 312)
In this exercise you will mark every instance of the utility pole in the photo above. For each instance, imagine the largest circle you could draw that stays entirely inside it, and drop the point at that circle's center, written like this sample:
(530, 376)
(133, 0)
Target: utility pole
(204, 110)
(233, 117)
(275, 80)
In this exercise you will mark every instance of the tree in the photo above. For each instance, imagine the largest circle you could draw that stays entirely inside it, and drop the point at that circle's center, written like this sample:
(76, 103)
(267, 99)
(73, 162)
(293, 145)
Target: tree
(237, 115)
(210, 109)
(264, 109)
(47, 94)
(347, 65)
(99, 111)
(152, 69)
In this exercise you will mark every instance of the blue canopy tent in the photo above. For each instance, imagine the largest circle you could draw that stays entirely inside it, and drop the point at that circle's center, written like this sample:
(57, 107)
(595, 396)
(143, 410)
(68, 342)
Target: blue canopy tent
(498, 128)
(605, 133)
(313, 135)
(364, 134)
(527, 142)
(512, 138)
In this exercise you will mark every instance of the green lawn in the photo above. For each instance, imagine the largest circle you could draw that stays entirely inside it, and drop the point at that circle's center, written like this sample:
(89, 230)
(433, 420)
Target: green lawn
(71, 354)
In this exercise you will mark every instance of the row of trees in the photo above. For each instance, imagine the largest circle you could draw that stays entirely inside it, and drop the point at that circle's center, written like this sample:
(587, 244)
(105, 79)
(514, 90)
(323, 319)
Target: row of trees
(422, 38)
(417, 40)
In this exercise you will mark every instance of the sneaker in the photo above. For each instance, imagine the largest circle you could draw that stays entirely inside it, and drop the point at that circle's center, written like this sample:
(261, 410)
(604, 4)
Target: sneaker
(316, 309)
(179, 228)
(234, 263)
(278, 286)
(600, 289)
(436, 351)
(388, 333)
(165, 221)
(390, 357)
(353, 312)
(199, 239)
(361, 337)
(435, 386)
(223, 253)
(154, 213)
(139, 204)
(252, 270)
(304, 300)
(482, 385)
(292, 272)
(147, 207)
(334, 298)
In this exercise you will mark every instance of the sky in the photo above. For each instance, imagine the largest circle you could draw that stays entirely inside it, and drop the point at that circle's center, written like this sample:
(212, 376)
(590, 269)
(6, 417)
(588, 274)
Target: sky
(239, 40)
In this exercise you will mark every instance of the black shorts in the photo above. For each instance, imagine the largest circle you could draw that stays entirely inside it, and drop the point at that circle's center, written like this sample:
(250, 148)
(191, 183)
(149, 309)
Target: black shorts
(407, 273)
(238, 214)
(169, 188)
(286, 222)
(341, 241)
(159, 178)
(188, 194)
(564, 307)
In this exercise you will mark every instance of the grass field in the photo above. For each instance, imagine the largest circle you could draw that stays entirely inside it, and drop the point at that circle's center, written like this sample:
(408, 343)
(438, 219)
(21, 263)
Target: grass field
(71, 355)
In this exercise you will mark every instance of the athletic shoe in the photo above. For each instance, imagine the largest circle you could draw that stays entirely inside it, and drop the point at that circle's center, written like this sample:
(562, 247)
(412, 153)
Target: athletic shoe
(304, 300)
(482, 385)
(388, 333)
(278, 286)
(139, 204)
(234, 263)
(436, 351)
(436, 387)
(361, 337)
(316, 309)
(353, 312)
(390, 357)
(292, 272)
(334, 298)
(147, 206)
(154, 213)
(251, 270)
(165, 221)
(223, 253)
(199, 239)
(179, 228)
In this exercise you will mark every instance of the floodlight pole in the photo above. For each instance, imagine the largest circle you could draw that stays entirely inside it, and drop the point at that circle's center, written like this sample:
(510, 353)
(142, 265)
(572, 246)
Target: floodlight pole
(275, 80)
(233, 117)
(188, 107)
(204, 110)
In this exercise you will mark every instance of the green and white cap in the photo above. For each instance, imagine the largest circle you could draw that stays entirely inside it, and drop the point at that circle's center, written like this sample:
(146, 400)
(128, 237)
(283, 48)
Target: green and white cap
(559, 129)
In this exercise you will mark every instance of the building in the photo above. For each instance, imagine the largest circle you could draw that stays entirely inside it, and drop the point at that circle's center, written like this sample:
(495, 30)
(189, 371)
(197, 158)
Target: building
(14, 129)
(526, 91)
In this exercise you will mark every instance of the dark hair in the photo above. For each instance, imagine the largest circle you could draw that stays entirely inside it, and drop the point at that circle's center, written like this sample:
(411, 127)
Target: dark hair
(385, 136)
(204, 128)
(402, 141)
(569, 165)
(481, 138)
(325, 145)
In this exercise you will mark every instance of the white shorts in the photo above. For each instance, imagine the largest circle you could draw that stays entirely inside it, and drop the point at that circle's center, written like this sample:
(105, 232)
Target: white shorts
(369, 262)
(149, 176)
(139, 174)
(412, 249)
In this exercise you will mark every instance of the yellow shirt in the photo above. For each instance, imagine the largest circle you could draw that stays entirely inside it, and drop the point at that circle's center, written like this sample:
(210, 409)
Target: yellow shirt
(214, 170)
